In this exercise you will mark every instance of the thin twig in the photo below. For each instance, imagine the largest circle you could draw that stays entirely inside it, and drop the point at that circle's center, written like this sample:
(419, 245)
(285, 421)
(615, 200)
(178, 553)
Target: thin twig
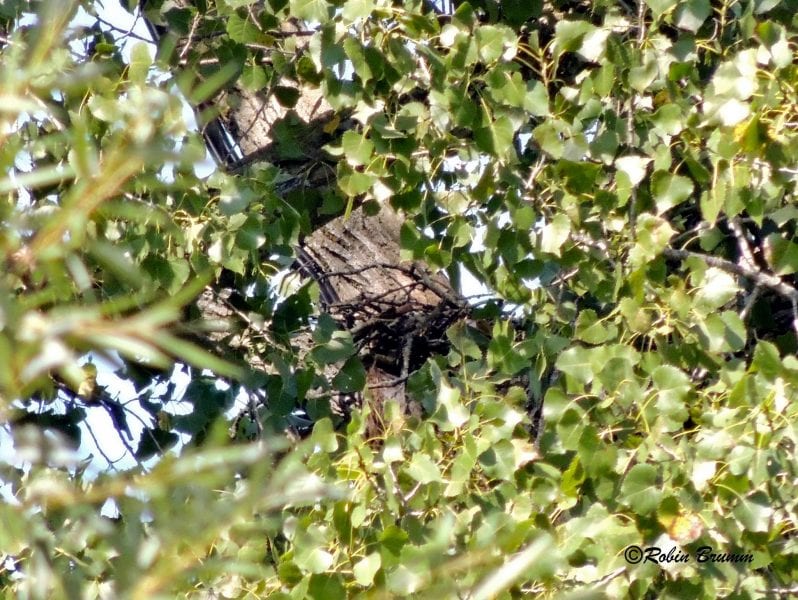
(388, 384)
(194, 24)
(747, 259)
(790, 590)
(103, 400)
(111, 463)
(124, 441)
(641, 22)
(125, 32)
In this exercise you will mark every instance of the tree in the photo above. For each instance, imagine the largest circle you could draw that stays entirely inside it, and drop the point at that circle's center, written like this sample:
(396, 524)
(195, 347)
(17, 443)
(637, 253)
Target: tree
(619, 177)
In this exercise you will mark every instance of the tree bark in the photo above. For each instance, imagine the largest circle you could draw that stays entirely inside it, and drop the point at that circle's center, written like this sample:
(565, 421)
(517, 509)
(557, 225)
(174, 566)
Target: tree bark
(388, 305)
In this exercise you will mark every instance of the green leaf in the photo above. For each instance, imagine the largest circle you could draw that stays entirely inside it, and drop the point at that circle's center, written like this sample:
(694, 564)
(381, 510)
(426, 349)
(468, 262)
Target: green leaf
(669, 119)
(763, 6)
(496, 138)
(724, 332)
(671, 382)
(498, 461)
(669, 190)
(494, 42)
(712, 200)
(254, 78)
(450, 413)
(570, 428)
(326, 586)
(643, 75)
(549, 135)
(393, 539)
(691, 14)
(365, 569)
(536, 99)
(754, 512)
(589, 329)
(633, 166)
(673, 386)
(740, 459)
(502, 355)
(639, 489)
(315, 560)
(580, 176)
(357, 54)
(604, 146)
(594, 45)
(555, 233)
(615, 372)
(460, 472)
(286, 95)
(310, 10)
(323, 436)
(140, 62)
(573, 478)
(702, 472)
(576, 362)
(357, 9)
(509, 87)
(717, 289)
(423, 469)
(357, 148)
(653, 235)
(356, 183)
(774, 38)
(767, 359)
(211, 85)
(782, 254)
(339, 347)
(351, 377)
(242, 30)
(660, 7)
(568, 35)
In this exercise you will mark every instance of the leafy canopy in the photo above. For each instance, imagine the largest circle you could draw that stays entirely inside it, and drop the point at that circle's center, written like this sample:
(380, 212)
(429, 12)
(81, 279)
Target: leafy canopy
(629, 169)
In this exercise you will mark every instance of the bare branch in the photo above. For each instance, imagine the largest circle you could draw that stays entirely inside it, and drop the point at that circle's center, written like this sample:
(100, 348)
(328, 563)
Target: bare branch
(742, 243)
(756, 275)
(388, 384)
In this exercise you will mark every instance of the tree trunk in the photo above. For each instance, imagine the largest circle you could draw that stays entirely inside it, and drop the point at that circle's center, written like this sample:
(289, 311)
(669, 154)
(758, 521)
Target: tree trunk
(395, 310)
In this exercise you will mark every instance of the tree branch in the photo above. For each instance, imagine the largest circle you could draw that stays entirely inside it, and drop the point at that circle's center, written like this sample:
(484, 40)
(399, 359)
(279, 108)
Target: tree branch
(759, 277)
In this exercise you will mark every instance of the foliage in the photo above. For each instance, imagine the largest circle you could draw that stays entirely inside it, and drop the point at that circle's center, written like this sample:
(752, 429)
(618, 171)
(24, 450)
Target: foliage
(629, 170)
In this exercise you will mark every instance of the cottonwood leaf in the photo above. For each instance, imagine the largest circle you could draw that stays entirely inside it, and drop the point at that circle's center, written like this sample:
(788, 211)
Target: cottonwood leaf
(365, 569)
(669, 190)
(310, 10)
(423, 469)
(639, 489)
